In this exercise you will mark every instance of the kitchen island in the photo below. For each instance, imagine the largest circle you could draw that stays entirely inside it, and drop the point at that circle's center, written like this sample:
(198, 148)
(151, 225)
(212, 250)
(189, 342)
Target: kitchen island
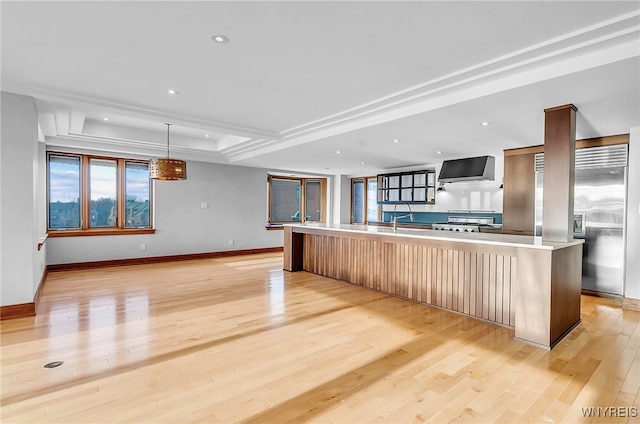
(517, 281)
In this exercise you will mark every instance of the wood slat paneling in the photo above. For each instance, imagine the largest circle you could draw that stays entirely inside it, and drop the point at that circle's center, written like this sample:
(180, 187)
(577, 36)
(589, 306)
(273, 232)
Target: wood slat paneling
(469, 282)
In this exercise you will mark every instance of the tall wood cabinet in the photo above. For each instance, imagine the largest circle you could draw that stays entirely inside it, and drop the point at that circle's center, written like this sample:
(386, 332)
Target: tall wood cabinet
(519, 186)
(519, 183)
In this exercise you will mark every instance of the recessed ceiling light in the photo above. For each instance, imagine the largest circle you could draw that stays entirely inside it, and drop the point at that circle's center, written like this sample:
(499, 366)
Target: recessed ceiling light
(338, 151)
(106, 119)
(220, 39)
(396, 140)
(207, 135)
(172, 91)
(485, 123)
(439, 152)
(361, 163)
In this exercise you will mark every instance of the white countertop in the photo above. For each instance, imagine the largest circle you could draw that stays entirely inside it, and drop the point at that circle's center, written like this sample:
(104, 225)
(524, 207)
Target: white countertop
(477, 238)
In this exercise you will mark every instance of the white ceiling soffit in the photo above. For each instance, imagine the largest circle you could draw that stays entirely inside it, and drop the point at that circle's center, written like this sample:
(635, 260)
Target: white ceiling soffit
(607, 42)
(65, 117)
(300, 80)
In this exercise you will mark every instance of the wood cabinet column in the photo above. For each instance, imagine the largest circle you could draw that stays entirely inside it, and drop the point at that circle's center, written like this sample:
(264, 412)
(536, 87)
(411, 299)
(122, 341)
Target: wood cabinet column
(559, 173)
(293, 245)
(518, 215)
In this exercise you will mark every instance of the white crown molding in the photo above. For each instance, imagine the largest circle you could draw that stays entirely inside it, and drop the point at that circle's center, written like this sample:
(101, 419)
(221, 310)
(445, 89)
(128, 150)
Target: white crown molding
(592, 36)
(46, 117)
(138, 147)
(617, 39)
(485, 79)
(141, 112)
(76, 120)
(248, 146)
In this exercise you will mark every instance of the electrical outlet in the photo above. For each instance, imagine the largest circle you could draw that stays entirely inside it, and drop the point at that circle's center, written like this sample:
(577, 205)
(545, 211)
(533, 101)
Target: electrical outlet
(231, 242)
(143, 246)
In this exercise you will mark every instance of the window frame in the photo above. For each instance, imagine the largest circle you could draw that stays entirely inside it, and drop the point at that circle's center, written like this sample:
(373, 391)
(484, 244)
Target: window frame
(303, 198)
(384, 188)
(85, 199)
(365, 202)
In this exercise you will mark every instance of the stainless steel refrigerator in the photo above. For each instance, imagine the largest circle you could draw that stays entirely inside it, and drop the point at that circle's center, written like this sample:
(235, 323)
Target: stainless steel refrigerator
(600, 195)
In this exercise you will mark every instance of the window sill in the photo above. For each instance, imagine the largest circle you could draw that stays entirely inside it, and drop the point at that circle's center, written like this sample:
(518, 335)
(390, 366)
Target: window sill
(100, 232)
(270, 227)
(41, 240)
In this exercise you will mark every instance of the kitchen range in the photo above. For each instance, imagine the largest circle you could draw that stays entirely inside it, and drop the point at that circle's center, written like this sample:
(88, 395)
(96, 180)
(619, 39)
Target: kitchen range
(464, 224)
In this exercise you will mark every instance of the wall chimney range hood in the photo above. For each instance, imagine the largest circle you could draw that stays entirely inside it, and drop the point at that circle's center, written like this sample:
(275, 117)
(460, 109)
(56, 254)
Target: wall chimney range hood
(468, 169)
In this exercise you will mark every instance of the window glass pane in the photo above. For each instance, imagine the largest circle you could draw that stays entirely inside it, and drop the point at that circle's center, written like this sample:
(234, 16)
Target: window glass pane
(285, 200)
(394, 181)
(103, 187)
(419, 195)
(406, 195)
(312, 200)
(431, 195)
(372, 204)
(136, 188)
(357, 207)
(420, 180)
(64, 192)
(407, 180)
(432, 178)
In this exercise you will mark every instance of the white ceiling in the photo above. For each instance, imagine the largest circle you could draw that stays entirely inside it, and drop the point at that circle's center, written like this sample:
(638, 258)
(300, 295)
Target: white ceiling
(300, 80)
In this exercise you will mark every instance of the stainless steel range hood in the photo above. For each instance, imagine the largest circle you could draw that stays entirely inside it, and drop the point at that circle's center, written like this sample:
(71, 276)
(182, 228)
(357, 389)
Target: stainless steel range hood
(468, 169)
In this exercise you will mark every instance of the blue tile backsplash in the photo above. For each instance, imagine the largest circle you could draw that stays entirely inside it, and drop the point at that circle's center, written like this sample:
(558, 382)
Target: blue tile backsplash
(437, 217)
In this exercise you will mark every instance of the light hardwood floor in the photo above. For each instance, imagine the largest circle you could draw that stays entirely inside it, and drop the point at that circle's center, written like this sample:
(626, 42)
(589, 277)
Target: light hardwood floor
(239, 340)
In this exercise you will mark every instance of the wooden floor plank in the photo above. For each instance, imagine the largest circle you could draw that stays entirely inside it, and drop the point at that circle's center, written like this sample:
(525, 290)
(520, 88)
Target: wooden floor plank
(236, 339)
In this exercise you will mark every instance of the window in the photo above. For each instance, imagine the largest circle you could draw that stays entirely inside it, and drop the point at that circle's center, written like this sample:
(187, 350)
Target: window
(103, 183)
(137, 193)
(296, 199)
(97, 195)
(407, 187)
(364, 200)
(64, 191)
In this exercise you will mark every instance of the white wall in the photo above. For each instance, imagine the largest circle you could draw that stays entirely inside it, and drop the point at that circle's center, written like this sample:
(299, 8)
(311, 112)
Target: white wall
(19, 167)
(236, 197)
(632, 273)
(40, 199)
(475, 195)
(341, 199)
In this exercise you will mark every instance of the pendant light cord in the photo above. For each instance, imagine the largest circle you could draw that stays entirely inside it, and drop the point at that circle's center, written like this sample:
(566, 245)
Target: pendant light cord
(168, 125)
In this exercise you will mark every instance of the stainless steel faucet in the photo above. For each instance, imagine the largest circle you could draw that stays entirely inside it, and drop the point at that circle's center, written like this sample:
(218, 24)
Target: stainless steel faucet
(395, 217)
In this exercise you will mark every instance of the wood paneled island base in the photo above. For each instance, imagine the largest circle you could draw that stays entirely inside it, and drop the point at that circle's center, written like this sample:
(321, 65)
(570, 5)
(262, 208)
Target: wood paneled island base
(517, 281)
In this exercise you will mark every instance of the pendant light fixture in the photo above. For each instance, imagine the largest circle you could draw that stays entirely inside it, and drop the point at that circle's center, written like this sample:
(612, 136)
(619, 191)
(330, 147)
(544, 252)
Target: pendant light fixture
(167, 169)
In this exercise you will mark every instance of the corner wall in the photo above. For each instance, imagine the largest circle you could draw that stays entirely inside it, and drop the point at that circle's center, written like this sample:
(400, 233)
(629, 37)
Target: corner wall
(20, 176)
